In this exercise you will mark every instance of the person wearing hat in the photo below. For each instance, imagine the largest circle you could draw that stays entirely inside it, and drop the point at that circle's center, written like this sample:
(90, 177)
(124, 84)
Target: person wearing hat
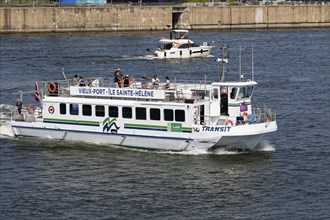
(126, 81)
(118, 78)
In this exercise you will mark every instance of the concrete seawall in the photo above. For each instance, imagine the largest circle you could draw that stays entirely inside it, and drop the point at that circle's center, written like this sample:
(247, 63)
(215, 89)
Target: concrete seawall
(113, 18)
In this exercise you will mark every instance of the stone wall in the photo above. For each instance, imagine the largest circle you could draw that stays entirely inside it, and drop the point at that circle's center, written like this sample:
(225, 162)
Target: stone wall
(124, 17)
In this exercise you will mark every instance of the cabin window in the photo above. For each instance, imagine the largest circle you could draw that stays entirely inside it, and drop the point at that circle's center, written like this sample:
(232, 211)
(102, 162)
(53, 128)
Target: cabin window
(168, 115)
(74, 109)
(63, 109)
(127, 112)
(179, 115)
(167, 46)
(99, 111)
(184, 46)
(154, 114)
(140, 113)
(233, 93)
(215, 93)
(245, 92)
(87, 110)
(113, 111)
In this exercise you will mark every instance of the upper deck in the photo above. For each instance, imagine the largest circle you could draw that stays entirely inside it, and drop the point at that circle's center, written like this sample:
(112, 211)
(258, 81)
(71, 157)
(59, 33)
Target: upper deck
(186, 91)
(105, 88)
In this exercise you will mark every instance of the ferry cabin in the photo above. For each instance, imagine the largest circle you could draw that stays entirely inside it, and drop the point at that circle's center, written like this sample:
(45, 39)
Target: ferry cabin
(187, 104)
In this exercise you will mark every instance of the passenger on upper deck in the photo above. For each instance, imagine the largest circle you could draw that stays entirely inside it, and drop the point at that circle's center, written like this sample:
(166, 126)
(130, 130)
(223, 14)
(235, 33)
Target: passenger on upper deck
(167, 83)
(126, 81)
(82, 81)
(76, 80)
(118, 78)
(155, 82)
(144, 82)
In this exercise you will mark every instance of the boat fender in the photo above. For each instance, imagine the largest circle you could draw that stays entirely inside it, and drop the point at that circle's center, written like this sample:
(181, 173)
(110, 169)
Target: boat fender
(51, 87)
(205, 44)
(229, 122)
(30, 109)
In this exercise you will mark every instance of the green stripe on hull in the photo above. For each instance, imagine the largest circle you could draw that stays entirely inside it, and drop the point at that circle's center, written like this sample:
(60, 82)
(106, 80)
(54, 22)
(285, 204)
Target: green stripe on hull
(154, 126)
(71, 121)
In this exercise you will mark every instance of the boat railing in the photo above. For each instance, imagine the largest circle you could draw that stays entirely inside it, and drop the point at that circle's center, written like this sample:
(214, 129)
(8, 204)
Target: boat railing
(28, 113)
(179, 90)
(260, 115)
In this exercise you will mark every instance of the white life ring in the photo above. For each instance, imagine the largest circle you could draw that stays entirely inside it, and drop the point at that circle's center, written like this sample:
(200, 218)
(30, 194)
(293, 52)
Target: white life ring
(205, 44)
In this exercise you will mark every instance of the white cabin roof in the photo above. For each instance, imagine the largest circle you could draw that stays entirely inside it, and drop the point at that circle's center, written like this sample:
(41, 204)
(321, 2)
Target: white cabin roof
(235, 84)
(180, 31)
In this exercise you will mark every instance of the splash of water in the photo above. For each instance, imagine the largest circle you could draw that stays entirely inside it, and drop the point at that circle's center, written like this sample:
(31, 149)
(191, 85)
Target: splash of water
(265, 145)
(5, 115)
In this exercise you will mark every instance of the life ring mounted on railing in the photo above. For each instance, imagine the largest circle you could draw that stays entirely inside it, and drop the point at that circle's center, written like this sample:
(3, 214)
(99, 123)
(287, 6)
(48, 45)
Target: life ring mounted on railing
(51, 87)
(229, 122)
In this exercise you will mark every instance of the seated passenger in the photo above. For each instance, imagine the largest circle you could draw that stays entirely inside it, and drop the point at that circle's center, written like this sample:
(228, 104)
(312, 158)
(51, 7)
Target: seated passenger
(82, 81)
(155, 82)
(144, 82)
(126, 81)
(167, 83)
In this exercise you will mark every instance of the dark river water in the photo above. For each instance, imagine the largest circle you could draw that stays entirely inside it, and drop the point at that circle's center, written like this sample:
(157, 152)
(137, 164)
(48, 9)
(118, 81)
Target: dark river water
(288, 178)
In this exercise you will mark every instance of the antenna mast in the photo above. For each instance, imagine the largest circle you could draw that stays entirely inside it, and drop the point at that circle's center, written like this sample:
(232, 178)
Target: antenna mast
(252, 65)
(240, 63)
(223, 60)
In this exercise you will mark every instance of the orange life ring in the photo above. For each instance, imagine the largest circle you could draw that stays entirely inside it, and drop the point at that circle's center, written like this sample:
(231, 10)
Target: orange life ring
(245, 116)
(51, 87)
(229, 122)
(30, 109)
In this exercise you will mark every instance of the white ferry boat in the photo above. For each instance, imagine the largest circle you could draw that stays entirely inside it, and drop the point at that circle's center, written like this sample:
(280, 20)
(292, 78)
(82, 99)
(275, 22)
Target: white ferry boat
(186, 116)
(180, 46)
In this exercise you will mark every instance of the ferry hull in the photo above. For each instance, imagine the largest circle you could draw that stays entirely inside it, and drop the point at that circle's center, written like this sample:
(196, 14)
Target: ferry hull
(126, 140)
(239, 137)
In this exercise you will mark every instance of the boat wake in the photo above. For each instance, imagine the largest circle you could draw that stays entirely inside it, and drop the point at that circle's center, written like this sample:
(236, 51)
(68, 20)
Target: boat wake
(5, 114)
(263, 146)
(146, 57)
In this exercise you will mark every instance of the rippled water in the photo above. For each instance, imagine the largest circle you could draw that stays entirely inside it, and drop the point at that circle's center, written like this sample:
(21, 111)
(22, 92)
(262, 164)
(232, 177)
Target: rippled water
(287, 178)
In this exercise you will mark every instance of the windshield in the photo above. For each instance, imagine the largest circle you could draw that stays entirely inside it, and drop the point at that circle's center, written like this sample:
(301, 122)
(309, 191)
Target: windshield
(245, 92)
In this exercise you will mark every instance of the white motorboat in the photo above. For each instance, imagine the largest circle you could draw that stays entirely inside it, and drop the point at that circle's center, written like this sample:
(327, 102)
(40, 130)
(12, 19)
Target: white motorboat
(180, 46)
(184, 116)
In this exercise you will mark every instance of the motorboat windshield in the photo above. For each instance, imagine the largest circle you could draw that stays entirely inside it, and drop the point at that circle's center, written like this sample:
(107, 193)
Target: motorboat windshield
(179, 34)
